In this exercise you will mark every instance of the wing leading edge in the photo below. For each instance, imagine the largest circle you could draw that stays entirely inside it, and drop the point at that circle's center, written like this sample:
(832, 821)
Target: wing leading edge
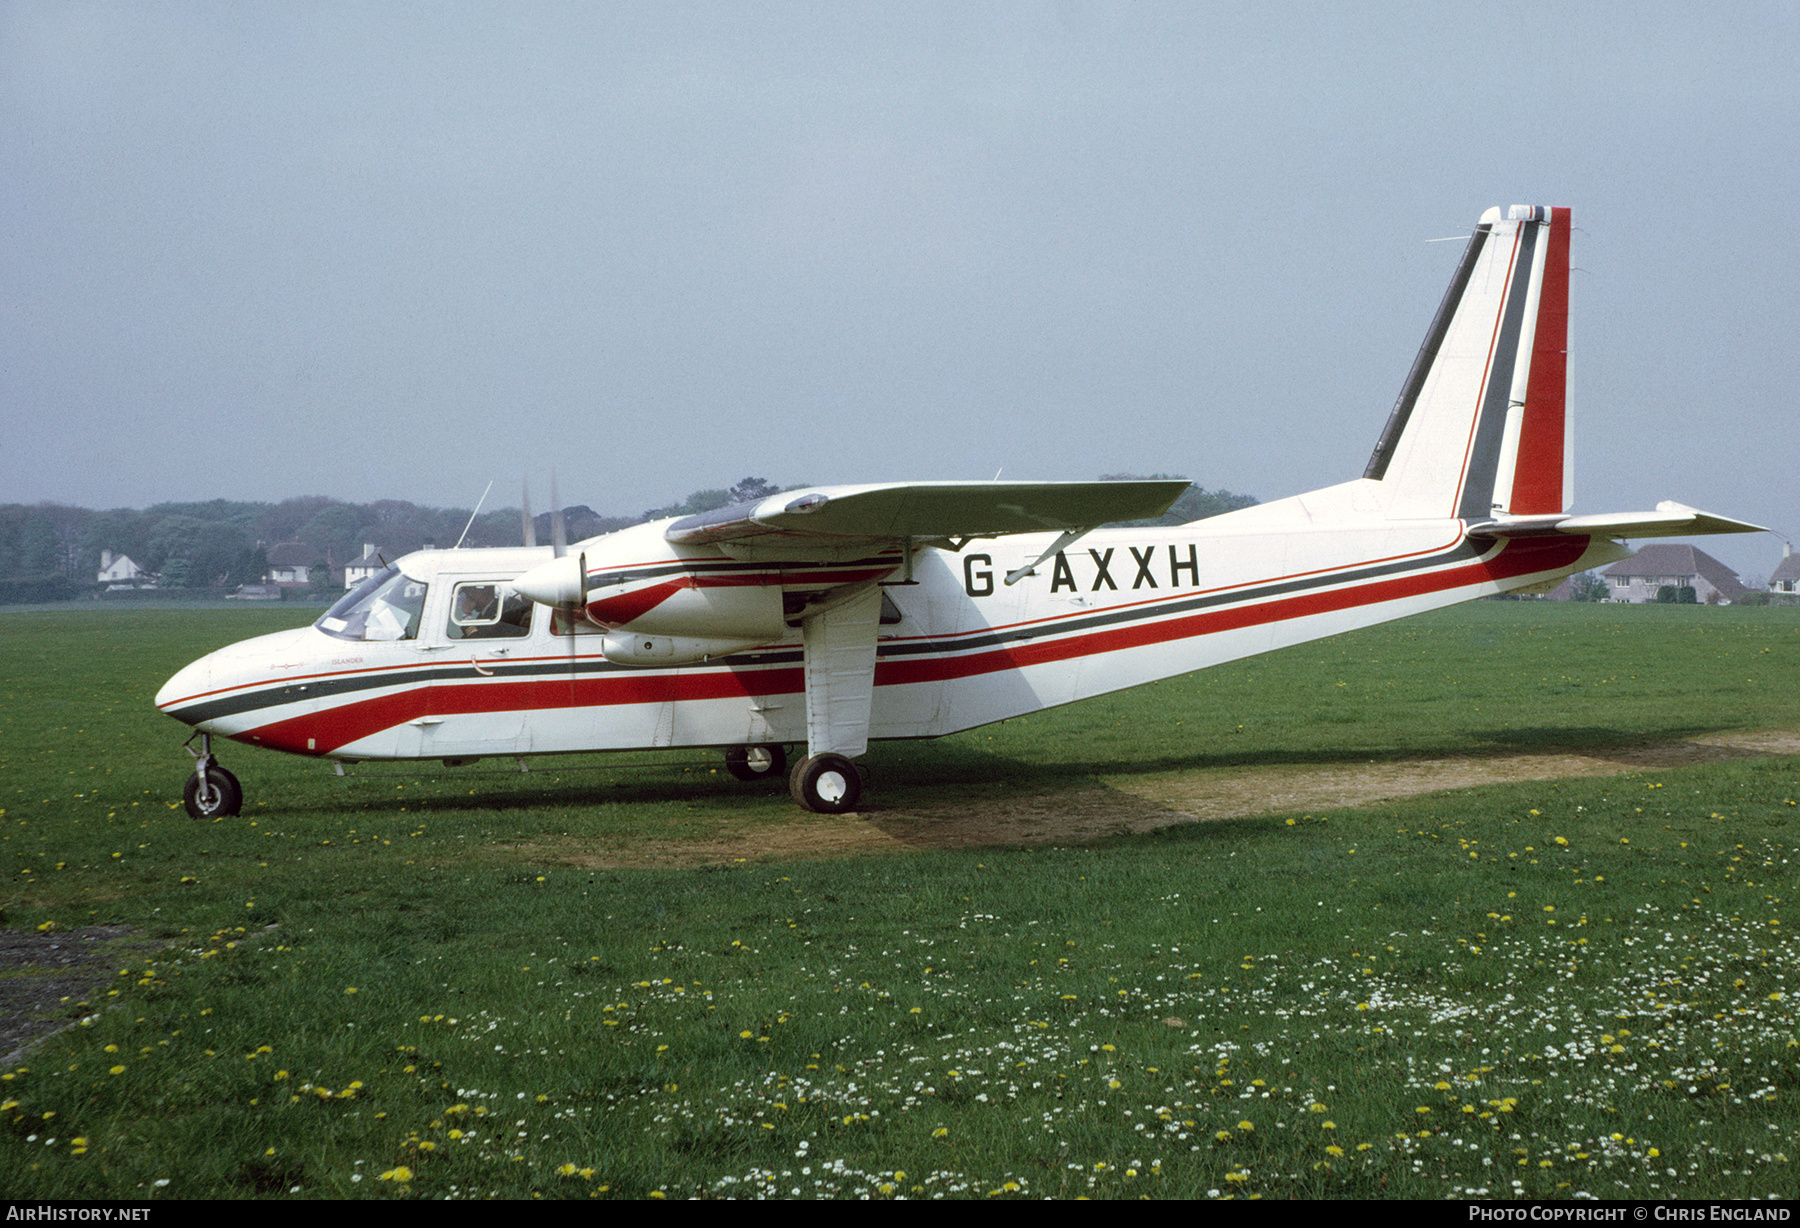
(924, 512)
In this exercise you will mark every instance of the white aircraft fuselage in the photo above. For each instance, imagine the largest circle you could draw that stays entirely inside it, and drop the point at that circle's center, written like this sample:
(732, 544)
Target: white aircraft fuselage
(836, 615)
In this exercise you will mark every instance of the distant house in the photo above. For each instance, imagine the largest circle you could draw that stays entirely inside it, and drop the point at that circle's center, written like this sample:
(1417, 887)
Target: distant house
(1786, 576)
(119, 569)
(1639, 578)
(360, 569)
(290, 564)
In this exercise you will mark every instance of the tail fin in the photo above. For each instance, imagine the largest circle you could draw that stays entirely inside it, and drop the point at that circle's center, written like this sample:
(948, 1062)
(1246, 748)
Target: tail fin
(1481, 427)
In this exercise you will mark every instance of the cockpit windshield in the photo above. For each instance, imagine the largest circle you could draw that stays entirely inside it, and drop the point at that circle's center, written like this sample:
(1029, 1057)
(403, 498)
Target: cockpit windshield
(386, 606)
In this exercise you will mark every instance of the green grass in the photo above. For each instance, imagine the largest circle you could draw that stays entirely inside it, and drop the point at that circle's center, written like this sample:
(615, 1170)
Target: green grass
(1554, 989)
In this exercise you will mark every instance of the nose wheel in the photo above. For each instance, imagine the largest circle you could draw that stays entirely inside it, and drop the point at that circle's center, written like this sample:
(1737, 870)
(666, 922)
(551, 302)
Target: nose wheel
(211, 792)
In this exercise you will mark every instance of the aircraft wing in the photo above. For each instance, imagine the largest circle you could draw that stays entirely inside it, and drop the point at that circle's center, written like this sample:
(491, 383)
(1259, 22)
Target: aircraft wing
(924, 512)
(1668, 520)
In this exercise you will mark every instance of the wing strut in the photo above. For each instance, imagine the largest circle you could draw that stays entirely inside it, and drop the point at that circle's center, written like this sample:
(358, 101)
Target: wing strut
(839, 647)
(839, 644)
(1062, 543)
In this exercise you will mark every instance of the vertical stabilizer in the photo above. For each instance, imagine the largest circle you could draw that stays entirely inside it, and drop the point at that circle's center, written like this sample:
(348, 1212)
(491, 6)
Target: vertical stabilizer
(1481, 426)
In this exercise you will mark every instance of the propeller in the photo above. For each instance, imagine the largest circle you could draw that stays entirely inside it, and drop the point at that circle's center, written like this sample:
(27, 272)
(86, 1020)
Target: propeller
(561, 582)
(559, 536)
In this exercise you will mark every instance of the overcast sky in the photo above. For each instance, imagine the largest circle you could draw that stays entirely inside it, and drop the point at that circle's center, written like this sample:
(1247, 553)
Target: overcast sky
(369, 251)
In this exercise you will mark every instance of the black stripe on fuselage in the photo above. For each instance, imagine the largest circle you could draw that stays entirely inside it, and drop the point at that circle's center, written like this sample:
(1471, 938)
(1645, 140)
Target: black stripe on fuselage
(1460, 553)
(955, 644)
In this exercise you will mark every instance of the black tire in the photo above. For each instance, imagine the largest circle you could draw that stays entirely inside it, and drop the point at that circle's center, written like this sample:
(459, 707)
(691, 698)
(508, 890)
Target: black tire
(826, 784)
(224, 797)
(751, 763)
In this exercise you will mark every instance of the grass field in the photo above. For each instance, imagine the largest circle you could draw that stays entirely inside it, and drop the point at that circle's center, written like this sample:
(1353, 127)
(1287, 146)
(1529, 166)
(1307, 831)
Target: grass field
(403, 986)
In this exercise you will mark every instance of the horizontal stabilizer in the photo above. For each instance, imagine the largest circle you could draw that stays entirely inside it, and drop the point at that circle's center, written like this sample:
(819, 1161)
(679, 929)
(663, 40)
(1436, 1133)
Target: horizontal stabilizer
(927, 511)
(1668, 520)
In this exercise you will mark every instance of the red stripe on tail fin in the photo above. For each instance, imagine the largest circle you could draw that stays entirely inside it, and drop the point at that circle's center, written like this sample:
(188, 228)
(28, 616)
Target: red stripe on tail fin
(1540, 470)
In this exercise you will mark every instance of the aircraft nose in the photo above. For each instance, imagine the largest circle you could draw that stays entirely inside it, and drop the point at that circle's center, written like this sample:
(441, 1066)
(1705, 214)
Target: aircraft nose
(187, 683)
(195, 690)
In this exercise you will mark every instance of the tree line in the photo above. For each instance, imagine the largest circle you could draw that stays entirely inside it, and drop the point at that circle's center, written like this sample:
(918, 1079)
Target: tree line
(51, 551)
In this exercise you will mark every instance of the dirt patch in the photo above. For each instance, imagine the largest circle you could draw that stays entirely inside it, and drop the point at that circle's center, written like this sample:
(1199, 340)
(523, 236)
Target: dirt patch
(1141, 804)
(47, 980)
(1072, 817)
(1273, 790)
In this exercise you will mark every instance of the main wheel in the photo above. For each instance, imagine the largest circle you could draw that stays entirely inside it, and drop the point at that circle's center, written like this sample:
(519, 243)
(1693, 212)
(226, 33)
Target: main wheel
(221, 797)
(756, 762)
(826, 784)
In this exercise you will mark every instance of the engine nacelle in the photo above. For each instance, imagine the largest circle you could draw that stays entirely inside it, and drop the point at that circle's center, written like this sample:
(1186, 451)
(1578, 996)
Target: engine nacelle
(635, 583)
(623, 648)
(678, 607)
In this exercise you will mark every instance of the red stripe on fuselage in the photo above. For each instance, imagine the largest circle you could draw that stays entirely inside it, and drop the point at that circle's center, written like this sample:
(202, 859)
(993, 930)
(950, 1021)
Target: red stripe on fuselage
(1522, 557)
(332, 728)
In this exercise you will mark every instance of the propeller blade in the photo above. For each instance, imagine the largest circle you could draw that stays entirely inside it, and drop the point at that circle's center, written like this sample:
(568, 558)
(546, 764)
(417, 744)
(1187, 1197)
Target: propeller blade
(530, 526)
(559, 537)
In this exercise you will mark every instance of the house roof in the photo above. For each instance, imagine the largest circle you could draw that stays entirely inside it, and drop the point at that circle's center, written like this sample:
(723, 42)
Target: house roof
(1670, 559)
(292, 554)
(1787, 569)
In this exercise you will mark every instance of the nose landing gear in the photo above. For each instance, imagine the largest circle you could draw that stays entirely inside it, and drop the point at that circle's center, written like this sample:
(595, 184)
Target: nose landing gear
(211, 792)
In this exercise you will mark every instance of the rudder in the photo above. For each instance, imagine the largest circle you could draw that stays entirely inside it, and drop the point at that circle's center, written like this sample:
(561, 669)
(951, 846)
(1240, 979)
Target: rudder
(1481, 425)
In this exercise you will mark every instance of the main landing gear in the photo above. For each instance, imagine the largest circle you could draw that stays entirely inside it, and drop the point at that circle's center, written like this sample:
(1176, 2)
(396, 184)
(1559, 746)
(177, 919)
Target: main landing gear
(824, 784)
(211, 792)
(752, 763)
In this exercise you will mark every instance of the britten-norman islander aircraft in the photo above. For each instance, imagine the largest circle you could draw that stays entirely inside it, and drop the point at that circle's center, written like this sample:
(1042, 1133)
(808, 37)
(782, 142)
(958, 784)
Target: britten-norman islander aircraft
(831, 616)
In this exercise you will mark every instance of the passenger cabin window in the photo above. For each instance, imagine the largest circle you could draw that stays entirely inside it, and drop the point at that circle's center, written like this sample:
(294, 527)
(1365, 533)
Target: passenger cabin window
(488, 611)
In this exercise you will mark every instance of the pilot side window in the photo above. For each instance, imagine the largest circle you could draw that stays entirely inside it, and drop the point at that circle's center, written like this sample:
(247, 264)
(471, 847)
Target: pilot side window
(488, 611)
(386, 606)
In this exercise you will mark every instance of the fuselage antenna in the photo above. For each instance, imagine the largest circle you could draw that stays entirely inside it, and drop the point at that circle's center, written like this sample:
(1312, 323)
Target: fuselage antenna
(473, 514)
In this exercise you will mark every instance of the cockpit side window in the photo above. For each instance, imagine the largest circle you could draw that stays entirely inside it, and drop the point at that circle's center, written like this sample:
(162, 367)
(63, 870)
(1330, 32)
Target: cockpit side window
(386, 606)
(488, 610)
